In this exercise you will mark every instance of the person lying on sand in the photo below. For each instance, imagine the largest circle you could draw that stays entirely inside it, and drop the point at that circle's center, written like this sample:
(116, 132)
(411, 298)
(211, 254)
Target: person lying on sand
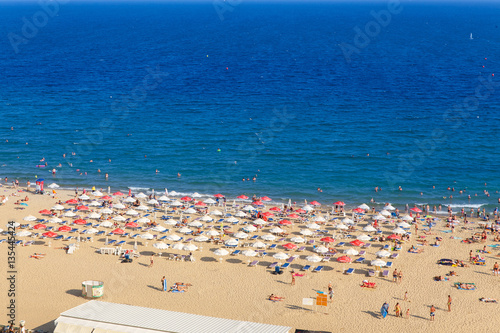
(488, 300)
(367, 284)
(441, 278)
(38, 255)
(452, 273)
(468, 286)
(275, 298)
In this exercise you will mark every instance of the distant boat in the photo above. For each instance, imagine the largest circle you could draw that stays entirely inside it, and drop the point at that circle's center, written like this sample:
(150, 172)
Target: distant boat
(471, 36)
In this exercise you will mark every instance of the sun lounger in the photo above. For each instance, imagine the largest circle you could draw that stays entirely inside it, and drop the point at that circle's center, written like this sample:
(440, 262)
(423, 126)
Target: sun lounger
(163, 237)
(318, 269)
(349, 271)
(234, 253)
(253, 263)
(359, 260)
(100, 233)
(281, 240)
(285, 265)
(59, 237)
(188, 240)
(126, 234)
(111, 241)
(386, 247)
(361, 253)
(107, 250)
(341, 244)
(120, 242)
(272, 247)
(19, 242)
(2, 240)
(306, 267)
(395, 256)
(371, 272)
(367, 245)
(385, 273)
(254, 237)
(300, 249)
(74, 230)
(272, 265)
(389, 264)
(292, 258)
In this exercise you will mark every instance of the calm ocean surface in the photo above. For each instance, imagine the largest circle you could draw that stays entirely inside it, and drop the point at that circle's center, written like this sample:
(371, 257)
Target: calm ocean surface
(165, 86)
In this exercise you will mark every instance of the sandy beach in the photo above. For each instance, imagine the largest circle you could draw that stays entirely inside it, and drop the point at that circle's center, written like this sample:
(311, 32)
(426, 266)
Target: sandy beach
(230, 289)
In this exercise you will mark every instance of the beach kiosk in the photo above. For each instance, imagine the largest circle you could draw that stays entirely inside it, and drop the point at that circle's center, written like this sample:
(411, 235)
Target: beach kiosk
(39, 186)
(92, 289)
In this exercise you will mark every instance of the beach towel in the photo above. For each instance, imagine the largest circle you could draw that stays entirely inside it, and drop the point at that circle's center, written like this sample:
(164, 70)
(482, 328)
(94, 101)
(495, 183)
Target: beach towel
(495, 245)
(165, 285)
(446, 231)
(465, 286)
(488, 300)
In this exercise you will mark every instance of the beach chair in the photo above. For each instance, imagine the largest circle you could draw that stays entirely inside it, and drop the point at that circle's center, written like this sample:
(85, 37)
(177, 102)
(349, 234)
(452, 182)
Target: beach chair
(19, 242)
(111, 241)
(292, 258)
(311, 241)
(74, 230)
(126, 234)
(100, 233)
(349, 271)
(272, 265)
(367, 245)
(327, 258)
(359, 260)
(254, 237)
(236, 252)
(285, 265)
(253, 263)
(59, 237)
(69, 238)
(120, 242)
(385, 273)
(134, 235)
(188, 240)
(300, 249)
(361, 253)
(2, 240)
(341, 244)
(389, 264)
(306, 268)
(395, 255)
(371, 272)
(281, 240)
(386, 247)
(318, 269)
(273, 246)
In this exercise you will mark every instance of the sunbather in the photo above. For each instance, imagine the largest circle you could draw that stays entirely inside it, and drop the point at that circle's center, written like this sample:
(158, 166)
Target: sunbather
(488, 300)
(367, 284)
(275, 298)
(468, 286)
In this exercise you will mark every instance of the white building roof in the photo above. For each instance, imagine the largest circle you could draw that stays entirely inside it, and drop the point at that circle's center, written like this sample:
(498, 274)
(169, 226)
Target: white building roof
(112, 317)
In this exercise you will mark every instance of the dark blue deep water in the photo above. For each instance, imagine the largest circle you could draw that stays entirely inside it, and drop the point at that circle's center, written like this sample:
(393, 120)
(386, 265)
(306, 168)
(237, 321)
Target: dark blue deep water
(298, 94)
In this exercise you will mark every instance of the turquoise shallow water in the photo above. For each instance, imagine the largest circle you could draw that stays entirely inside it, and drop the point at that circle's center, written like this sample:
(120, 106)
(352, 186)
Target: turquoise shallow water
(164, 86)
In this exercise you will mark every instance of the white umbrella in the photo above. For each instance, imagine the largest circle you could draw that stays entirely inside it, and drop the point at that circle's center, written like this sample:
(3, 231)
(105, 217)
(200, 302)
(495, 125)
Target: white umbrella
(249, 253)
(210, 201)
(91, 231)
(341, 227)
(97, 194)
(268, 237)
(347, 221)
(142, 208)
(94, 216)
(276, 230)
(143, 220)
(321, 249)
(119, 218)
(232, 220)
(55, 220)
(201, 239)
(106, 224)
(195, 224)
(164, 198)
(231, 242)
(216, 213)
(30, 218)
(174, 194)
(248, 208)
(407, 218)
(383, 253)
(53, 186)
(176, 203)
(69, 214)
(307, 208)
(178, 246)
(14, 224)
(196, 195)
(141, 196)
(385, 213)
(259, 222)
(206, 218)
(119, 206)
(94, 204)
(378, 217)
(259, 245)
(185, 230)
(23, 233)
(147, 235)
(281, 256)
(240, 214)
(221, 252)
(190, 247)
(364, 206)
(313, 258)
(369, 228)
(57, 207)
(173, 237)
(364, 237)
(351, 252)
(171, 222)
(399, 231)
(159, 228)
(404, 225)
(249, 228)
(306, 232)
(240, 234)
(132, 212)
(378, 262)
(190, 211)
(84, 197)
(212, 233)
(297, 239)
(106, 211)
(153, 202)
(389, 207)
(129, 200)
(319, 219)
(160, 246)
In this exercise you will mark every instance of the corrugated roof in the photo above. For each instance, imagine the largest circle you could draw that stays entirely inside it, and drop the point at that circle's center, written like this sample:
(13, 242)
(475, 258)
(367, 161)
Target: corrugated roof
(162, 320)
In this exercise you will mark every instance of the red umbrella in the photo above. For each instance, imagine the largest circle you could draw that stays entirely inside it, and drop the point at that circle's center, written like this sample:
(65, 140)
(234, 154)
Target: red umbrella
(80, 221)
(266, 199)
(275, 209)
(82, 207)
(285, 222)
(394, 236)
(300, 211)
(244, 197)
(218, 195)
(339, 203)
(257, 203)
(45, 212)
(39, 226)
(118, 193)
(268, 214)
(200, 204)
(315, 203)
(416, 210)
(344, 259)
(327, 239)
(290, 246)
(72, 201)
(131, 225)
(358, 210)
(64, 228)
(357, 242)
(186, 198)
(293, 216)
(106, 197)
(50, 234)
(118, 231)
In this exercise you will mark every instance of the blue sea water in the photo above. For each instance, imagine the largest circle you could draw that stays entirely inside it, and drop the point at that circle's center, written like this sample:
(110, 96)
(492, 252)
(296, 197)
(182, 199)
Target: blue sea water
(291, 92)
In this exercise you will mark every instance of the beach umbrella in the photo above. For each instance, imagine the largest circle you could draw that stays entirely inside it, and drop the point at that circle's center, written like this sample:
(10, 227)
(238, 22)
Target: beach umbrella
(131, 225)
(216, 212)
(300, 211)
(142, 208)
(177, 246)
(80, 221)
(106, 211)
(369, 228)
(264, 198)
(249, 253)
(143, 220)
(119, 206)
(383, 253)
(327, 240)
(196, 195)
(119, 218)
(250, 228)
(268, 237)
(171, 222)
(141, 196)
(357, 242)
(404, 225)
(23, 233)
(394, 236)
(173, 193)
(306, 232)
(290, 246)
(221, 252)
(185, 230)
(268, 214)
(160, 246)
(91, 231)
(57, 207)
(190, 211)
(416, 210)
(200, 204)
(212, 233)
(106, 197)
(190, 247)
(55, 220)
(321, 249)
(118, 231)
(319, 219)
(53, 186)
(293, 216)
(407, 218)
(64, 228)
(97, 194)
(173, 237)
(240, 214)
(39, 226)
(84, 197)
(378, 262)
(209, 201)
(378, 217)
(49, 234)
(94, 204)
(147, 235)
(164, 198)
(363, 237)
(341, 227)
(242, 197)
(385, 213)
(259, 221)
(313, 258)
(240, 234)
(389, 207)
(118, 193)
(13, 224)
(94, 216)
(201, 239)
(275, 209)
(308, 208)
(399, 231)
(339, 203)
(297, 239)
(285, 222)
(159, 228)
(195, 224)
(313, 226)
(186, 198)
(351, 252)
(358, 210)
(248, 208)
(106, 224)
(218, 195)
(129, 200)
(231, 242)
(259, 245)
(276, 230)
(315, 203)
(30, 218)
(72, 201)
(364, 206)
(132, 212)
(281, 256)
(258, 203)
(206, 218)
(232, 220)
(344, 259)
(82, 207)
(45, 212)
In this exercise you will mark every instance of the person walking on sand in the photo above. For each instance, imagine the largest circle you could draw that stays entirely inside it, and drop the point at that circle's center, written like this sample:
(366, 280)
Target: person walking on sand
(164, 283)
(400, 276)
(449, 303)
(406, 297)
(433, 312)
(384, 310)
(395, 275)
(496, 268)
(407, 313)
(151, 261)
(397, 309)
(293, 278)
